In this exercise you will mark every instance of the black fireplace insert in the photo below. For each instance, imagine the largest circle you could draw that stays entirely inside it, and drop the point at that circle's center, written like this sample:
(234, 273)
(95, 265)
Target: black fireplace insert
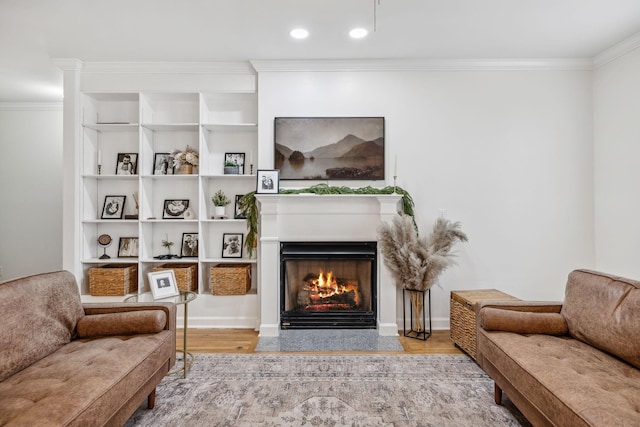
(327, 285)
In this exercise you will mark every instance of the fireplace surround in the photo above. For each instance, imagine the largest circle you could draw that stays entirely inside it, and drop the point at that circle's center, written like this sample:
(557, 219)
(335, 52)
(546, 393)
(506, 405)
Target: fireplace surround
(322, 218)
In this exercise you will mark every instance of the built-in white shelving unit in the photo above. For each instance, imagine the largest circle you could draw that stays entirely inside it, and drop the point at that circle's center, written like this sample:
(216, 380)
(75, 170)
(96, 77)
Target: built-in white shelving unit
(150, 123)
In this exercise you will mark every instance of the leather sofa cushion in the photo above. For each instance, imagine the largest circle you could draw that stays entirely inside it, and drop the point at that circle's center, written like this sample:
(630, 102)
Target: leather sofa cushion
(123, 323)
(602, 310)
(495, 319)
(39, 315)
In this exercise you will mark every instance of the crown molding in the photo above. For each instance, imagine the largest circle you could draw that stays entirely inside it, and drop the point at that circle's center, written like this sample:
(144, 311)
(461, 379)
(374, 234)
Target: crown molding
(616, 51)
(30, 106)
(423, 65)
(218, 67)
(67, 64)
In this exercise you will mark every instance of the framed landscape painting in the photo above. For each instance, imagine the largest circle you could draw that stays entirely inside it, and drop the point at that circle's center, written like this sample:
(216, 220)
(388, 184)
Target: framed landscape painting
(329, 148)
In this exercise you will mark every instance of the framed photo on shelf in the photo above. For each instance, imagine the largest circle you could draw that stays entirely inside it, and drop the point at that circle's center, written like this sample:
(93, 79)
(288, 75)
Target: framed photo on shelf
(113, 207)
(238, 213)
(128, 247)
(189, 245)
(268, 181)
(163, 284)
(163, 164)
(235, 158)
(127, 164)
(175, 208)
(326, 148)
(232, 245)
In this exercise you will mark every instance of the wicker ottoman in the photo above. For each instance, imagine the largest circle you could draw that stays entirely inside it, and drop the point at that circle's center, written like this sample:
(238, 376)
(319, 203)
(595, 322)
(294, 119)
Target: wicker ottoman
(463, 315)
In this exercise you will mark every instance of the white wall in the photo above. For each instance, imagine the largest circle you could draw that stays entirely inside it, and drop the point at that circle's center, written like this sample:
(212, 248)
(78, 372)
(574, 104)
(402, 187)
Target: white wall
(31, 189)
(507, 153)
(617, 165)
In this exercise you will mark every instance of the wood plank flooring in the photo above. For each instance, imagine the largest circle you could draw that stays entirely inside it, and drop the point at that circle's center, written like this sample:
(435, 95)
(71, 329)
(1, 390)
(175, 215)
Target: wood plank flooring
(245, 341)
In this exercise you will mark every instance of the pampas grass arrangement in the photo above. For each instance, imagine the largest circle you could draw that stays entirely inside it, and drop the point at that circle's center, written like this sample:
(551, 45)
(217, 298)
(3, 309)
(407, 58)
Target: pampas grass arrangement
(417, 262)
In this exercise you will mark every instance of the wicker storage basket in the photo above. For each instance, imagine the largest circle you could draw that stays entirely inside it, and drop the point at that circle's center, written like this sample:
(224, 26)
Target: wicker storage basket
(113, 280)
(230, 279)
(463, 315)
(186, 275)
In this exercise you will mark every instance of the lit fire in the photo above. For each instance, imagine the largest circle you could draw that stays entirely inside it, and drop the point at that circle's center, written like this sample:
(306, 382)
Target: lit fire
(326, 287)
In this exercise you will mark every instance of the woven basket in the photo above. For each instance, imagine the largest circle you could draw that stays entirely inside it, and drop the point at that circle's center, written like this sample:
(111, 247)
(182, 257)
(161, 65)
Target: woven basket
(186, 275)
(113, 280)
(230, 279)
(463, 326)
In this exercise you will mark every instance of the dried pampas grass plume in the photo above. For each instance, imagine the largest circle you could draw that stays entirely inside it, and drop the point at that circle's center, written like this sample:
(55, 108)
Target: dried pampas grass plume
(415, 262)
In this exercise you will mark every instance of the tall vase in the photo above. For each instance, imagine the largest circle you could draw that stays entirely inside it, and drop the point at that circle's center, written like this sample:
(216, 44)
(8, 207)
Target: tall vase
(186, 169)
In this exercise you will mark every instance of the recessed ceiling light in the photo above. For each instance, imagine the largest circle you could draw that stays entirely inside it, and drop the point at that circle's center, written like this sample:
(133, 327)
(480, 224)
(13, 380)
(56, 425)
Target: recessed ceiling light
(299, 33)
(358, 33)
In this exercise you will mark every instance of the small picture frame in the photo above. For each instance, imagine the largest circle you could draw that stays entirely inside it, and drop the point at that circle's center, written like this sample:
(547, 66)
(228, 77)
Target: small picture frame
(175, 208)
(127, 164)
(163, 284)
(238, 213)
(113, 207)
(163, 164)
(232, 245)
(128, 247)
(237, 159)
(268, 181)
(189, 245)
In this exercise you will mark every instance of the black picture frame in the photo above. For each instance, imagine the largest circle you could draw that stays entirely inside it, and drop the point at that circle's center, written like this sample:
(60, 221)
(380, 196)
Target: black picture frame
(127, 164)
(232, 245)
(175, 208)
(128, 247)
(238, 213)
(163, 164)
(113, 207)
(189, 248)
(330, 148)
(237, 158)
(268, 181)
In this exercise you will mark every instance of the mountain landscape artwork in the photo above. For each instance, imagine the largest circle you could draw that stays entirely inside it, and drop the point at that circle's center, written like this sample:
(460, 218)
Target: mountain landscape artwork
(329, 148)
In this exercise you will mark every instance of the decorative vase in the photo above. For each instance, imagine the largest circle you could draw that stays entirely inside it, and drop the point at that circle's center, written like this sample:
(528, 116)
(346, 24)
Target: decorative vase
(186, 169)
(220, 211)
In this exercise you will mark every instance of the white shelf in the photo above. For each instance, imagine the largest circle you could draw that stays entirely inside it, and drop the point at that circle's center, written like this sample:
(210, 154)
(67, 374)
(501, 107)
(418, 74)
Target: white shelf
(230, 127)
(112, 127)
(148, 123)
(171, 127)
(229, 260)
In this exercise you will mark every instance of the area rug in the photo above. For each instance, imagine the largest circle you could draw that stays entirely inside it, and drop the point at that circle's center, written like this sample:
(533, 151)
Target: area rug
(329, 340)
(328, 390)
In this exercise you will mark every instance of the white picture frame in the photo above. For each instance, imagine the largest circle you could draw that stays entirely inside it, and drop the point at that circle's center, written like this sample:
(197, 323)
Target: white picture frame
(163, 284)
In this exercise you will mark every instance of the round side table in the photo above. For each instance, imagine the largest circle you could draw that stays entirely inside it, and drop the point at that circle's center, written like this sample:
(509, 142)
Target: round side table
(185, 298)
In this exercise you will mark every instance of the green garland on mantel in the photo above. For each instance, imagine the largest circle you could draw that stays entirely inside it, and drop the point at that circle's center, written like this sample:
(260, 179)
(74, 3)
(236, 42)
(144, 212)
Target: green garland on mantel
(249, 206)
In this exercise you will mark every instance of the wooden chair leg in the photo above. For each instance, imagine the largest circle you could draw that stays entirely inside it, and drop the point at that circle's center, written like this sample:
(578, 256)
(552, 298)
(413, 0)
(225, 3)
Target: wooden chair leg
(151, 399)
(497, 394)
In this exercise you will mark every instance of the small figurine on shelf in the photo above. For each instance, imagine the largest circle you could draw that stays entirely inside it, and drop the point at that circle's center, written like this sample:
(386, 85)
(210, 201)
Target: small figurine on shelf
(220, 200)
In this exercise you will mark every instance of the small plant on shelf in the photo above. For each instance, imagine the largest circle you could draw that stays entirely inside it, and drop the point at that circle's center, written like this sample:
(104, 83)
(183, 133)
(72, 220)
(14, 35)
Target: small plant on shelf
(220, 199)
(186, 159)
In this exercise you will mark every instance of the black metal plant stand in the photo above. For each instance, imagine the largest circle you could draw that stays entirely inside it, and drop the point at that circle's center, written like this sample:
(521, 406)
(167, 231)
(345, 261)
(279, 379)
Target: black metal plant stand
(414, 330)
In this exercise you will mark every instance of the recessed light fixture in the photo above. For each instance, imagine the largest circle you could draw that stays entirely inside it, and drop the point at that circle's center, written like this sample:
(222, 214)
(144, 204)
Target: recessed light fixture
(299, 33)
(358, 33)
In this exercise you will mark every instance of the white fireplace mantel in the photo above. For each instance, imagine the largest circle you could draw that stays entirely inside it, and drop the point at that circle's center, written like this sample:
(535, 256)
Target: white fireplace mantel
(330, 218)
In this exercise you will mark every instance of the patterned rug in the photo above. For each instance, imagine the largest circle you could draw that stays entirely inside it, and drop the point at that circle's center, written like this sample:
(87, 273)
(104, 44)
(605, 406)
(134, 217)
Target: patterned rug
(329, 390)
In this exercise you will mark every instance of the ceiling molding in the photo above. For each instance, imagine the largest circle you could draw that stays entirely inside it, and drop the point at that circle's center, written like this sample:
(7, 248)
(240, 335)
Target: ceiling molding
(67, 64)
(218, 67)
(583, 64)
(30, 106)
(616, 51)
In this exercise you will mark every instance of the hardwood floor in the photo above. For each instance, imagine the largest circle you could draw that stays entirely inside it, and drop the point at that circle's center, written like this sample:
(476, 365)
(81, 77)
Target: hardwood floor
(245, 341)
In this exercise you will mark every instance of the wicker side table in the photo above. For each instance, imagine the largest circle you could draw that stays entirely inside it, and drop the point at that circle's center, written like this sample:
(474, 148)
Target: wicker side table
(463, 315)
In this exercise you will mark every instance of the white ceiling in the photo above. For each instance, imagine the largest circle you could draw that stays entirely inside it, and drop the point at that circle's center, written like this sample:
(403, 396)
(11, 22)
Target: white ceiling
(34, 31)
